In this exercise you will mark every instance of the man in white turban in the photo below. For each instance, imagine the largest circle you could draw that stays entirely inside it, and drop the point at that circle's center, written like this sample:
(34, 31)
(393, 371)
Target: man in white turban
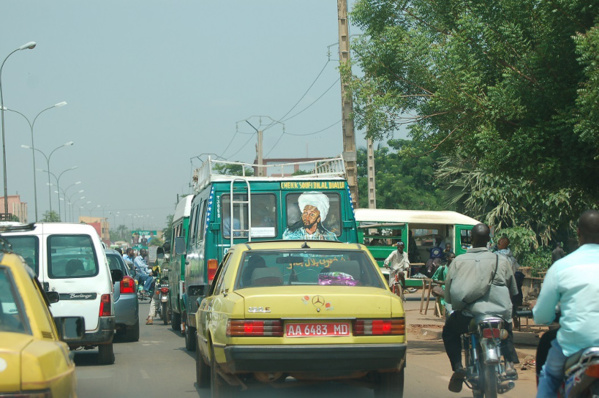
(314, 207)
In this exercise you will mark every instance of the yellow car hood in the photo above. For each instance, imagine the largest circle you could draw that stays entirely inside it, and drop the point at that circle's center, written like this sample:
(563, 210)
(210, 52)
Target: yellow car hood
(11, 347)
(318, 301)
(32, 364)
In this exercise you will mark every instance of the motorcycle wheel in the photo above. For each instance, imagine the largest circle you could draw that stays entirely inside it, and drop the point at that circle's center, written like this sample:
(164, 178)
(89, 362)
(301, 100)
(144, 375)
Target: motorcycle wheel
(190, 338)
(163, 313)
(490, 380)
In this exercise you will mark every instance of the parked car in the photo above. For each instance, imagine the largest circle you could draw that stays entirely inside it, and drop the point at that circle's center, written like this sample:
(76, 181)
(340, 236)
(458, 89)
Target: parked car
(126, 305)
(69, 259)
(33, 360)
(312, 310)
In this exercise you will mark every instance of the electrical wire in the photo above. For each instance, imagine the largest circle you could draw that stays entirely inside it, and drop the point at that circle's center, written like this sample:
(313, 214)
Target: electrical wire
(300, 135)
(313, 102)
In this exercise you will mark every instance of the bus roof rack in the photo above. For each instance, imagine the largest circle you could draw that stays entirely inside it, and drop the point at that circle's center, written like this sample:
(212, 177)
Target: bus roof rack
(213, 169)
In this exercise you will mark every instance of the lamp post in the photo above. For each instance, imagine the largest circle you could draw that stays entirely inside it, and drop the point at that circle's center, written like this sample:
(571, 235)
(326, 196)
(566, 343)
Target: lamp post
(67, 200)
(31, 125)
(58, 186)
(70, 143)
(26, 46)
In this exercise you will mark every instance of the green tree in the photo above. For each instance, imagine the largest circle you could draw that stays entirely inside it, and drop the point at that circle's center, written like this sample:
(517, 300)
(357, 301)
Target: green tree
(506, 92)
(402, 181)
(50, 216)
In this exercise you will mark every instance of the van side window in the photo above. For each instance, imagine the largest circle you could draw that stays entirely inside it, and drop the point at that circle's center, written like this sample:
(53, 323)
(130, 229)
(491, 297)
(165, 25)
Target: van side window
(193, 224)
(332, 219)
(71, 256)
(28, 248)
(202, 220)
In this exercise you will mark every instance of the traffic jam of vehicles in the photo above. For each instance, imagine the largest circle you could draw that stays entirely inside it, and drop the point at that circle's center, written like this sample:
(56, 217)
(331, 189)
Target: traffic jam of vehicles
(269, 280)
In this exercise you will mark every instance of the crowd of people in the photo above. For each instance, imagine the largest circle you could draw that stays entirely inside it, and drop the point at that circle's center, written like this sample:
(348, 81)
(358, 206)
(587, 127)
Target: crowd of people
(571, 286)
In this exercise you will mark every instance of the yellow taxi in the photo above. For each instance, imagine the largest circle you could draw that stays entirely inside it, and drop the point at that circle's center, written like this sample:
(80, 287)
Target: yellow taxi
(33, 360)
(300, 311)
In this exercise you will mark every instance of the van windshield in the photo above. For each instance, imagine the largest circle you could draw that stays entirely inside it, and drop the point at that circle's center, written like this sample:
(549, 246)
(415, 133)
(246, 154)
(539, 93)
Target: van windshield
(71, 256)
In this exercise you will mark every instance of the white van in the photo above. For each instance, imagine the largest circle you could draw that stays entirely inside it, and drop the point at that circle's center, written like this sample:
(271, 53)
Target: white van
(70, 259)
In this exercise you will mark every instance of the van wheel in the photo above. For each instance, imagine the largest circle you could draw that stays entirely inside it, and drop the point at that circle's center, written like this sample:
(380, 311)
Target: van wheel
(175, 321)
(132, 333)
(105, 354)
(190, 338)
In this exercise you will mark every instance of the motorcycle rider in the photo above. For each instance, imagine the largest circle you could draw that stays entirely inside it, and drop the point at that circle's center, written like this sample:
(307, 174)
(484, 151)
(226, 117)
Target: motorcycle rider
(143, 271)
(573, 283)
(495, 302)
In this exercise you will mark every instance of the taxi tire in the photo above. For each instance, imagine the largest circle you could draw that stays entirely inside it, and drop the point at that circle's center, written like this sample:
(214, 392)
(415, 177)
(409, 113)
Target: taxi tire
(190, 338)
(132, 333)
(175, 321)
(106, 354)
(390, 385)
(219, 387)
(202, 371)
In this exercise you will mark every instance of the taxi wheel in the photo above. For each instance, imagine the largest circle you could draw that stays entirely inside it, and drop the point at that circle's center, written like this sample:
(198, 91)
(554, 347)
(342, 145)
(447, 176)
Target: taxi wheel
(202, 371)
(390, 385)
(219, 387)
(105, 354)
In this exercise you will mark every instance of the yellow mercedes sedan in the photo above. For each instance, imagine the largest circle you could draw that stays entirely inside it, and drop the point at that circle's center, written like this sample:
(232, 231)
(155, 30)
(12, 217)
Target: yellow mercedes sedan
(300, 311)
(33, 360)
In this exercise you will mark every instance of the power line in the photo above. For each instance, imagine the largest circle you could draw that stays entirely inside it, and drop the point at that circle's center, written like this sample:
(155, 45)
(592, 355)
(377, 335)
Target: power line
(315, 101)
(301, 135)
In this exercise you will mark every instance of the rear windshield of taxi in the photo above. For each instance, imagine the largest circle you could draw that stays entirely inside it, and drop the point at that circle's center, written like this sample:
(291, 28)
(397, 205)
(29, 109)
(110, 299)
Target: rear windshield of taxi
(307, 267)
(71, 256)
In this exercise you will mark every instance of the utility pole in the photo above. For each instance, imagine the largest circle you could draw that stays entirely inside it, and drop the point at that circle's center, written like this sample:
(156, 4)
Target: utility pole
(347, 123)
(371, 175)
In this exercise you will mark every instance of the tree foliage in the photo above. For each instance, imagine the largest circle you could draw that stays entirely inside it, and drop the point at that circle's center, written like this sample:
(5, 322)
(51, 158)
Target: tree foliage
(506, 91)
(402, 181)
(50, 216)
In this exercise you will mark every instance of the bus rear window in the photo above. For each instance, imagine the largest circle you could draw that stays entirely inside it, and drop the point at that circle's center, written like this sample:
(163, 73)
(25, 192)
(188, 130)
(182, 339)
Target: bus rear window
(264, 216)
(326, 214)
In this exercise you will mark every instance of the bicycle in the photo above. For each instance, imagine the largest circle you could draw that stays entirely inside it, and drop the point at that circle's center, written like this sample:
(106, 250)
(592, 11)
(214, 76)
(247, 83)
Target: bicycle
(397, 287)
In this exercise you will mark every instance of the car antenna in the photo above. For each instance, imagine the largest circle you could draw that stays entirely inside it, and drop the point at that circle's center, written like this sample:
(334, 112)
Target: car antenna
(305, 245)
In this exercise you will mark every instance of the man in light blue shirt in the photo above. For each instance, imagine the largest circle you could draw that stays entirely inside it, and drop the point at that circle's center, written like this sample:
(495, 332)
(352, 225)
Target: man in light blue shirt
(573, 283)
(142, 269)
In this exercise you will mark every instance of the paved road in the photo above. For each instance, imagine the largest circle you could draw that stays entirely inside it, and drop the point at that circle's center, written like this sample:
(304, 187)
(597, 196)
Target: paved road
(159, 366)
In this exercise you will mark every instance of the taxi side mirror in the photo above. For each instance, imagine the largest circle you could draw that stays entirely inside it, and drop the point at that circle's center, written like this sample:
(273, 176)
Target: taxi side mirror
(70, 328)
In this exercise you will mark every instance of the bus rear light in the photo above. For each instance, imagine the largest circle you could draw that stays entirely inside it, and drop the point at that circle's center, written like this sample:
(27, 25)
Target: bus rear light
(127, 285)
(212, 267)
(254, 328)
(105, 305)
(378, 327)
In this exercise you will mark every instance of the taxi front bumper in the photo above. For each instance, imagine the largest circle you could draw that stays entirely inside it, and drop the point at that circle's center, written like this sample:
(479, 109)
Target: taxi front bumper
(315, 358)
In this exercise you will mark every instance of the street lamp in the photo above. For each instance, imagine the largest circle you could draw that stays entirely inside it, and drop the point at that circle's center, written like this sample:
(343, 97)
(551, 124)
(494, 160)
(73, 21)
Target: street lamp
(26, 46)
(58, 185)
(70, 143)
(31, 124)
(70, 203)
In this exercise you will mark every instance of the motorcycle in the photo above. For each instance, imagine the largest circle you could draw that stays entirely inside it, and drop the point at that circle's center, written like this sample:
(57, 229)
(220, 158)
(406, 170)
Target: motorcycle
(485, 366)
(582, 374)
(163, 297)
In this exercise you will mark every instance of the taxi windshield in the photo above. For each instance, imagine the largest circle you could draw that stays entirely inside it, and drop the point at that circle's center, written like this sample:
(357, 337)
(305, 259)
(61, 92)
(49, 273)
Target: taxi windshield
(307, 267)
(12, 318)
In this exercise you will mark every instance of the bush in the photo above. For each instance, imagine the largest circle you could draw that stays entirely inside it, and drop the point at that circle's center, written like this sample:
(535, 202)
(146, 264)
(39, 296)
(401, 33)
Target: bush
(538, 260)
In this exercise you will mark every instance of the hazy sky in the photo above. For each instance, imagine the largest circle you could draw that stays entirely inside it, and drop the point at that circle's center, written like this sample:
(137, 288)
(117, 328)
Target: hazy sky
(151, 84)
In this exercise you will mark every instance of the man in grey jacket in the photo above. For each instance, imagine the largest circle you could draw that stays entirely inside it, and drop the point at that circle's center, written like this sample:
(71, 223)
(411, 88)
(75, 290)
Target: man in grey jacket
(495, 302)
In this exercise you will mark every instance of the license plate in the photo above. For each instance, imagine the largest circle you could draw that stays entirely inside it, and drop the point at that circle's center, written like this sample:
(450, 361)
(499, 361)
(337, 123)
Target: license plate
(317, 329)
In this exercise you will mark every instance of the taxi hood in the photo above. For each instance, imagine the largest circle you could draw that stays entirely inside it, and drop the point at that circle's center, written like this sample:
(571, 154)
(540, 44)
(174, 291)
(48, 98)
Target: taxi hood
(11, 348)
